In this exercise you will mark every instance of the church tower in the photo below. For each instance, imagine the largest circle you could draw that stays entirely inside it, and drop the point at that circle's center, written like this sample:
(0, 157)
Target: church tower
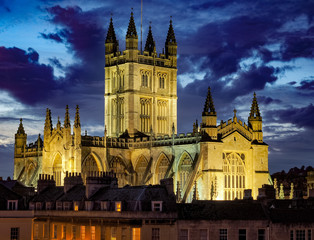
(140, 87)
(209, 118)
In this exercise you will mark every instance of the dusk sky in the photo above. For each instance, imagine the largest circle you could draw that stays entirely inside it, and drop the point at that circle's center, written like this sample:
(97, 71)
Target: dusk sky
(52, 54)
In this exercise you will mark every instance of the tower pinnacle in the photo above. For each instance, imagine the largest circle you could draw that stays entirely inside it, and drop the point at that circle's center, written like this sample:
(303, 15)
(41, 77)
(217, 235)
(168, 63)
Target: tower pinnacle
(131, 33)
(48, 122)
(67, 118)
(209, 108)
(77, 121)
(111, 35)
(20, 130)
(255, 114)
(150, 43)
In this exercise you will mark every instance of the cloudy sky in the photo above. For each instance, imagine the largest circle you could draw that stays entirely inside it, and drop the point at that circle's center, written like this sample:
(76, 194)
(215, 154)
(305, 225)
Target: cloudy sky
(52, 54)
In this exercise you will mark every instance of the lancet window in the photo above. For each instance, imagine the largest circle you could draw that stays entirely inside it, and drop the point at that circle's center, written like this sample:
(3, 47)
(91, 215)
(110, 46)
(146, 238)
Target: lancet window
(185, 168)
(234, 175)
(162, 80)
(140, 170)
(145, 78)
(161, 168)
(162, 113)
(118, 115)
(118, 167)
(146, 105)
(118, 80)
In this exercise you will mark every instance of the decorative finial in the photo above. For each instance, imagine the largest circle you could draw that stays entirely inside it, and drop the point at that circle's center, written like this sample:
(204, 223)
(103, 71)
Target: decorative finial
(235, 112)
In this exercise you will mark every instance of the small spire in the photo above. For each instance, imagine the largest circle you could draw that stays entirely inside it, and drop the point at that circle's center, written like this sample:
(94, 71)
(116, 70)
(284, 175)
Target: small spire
(150, 43)
(111, 35)
(281, 193)
(20, 130)
(178, 193)
(67, 118)
(255, 114)
(48, 122)
(209, 108)
(77, 121)
(131, 33)
(170, 36)
(291, 191)
(58, 123)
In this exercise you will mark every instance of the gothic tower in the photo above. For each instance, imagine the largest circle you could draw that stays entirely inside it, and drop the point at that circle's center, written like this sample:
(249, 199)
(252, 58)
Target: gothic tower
(209, 118)
(255, 121)
(140, 87)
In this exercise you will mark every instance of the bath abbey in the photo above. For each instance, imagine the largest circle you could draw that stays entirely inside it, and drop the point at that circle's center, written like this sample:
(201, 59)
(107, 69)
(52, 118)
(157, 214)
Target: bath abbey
(140, 142)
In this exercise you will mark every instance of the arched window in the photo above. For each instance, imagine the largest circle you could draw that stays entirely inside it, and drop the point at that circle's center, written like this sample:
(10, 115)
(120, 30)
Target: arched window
(119, 168)
(185, 168)
(140, 170)
(161, 168)
(161, 82)
(57, 169)
(234, 175)
(89, 166)
(145, 78)
(145, 114)
(162, 113)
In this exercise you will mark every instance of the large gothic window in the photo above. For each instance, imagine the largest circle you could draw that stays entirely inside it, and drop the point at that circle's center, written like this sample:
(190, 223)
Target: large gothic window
(234, 175)
(118, 115)
(57, 169)
(185, 168)
(145, 78)
(161, 168)
(162, 80)
(119, 168)
(145, 116)
(140, 170)
(162, 113)
(89, 167)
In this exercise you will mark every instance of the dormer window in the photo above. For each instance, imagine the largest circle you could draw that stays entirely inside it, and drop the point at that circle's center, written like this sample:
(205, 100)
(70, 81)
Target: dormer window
(118, 206)
(38, 206)
(12, 204)
(59, 206)
(66, 206)
(76, 206)
(104, 205)
(48, 205)
(156, 206)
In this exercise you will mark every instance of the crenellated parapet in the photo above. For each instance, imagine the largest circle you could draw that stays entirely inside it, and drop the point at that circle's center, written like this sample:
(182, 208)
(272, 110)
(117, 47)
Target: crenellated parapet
(226, 128)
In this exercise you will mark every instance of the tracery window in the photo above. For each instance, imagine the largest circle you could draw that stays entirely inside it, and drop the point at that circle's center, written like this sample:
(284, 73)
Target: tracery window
(162, 113)
(119, 168)
(234, 175)
(145, 78)
(145, 114)
(185, 168)
(162, 80)
(118, 115)
(118, 80)
(161, 168)
(140, 170)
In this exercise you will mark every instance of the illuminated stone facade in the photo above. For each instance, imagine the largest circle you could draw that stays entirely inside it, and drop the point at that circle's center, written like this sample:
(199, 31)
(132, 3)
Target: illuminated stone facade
(140, 143)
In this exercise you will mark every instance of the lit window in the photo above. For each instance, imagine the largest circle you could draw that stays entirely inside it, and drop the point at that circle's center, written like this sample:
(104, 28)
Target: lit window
(15, 233)
(93, 232)
(242, 234)
(136, 234)
(261, 234)
(223, 234)
(76, 206)
(184, 234)
(155, 234)
(157, 206)
(36, 230)
(118, 206)
(64, 232)
(12, 204)
(55, 231)
(82, 232)
(73, 232)
(113, 233)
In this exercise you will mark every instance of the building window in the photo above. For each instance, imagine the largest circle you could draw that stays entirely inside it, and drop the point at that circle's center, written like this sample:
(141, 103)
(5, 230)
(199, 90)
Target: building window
(48, 205)
(309, 234)
(300, 234)
(113, 233)
(59, 206)
(162, 82)
(12, 204)
(261, 234)
(38, 206)
(93, 232)
(36, 230)
(184, 234)
(82, 232)
(76, 206)
(73, 232)
(55, 231)
(234, 176)
(64, 231)
(104, 205)
(66, 206)
(162, 113)
(291, 234)
(136, 234)
(145, 116)
(155, 234)
(15, 233)
(203, 234)
(123, 233)
(118, 206)
(118, 115)
(156, 206)
(45, 230)
(223, 234)
(242, 234)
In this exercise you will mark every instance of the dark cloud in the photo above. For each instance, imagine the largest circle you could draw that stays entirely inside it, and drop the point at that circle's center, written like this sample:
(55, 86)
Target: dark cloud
(56, 63)
(24, 77)
(302, 117)
(52, 36)
(307, 85)
(267, 100)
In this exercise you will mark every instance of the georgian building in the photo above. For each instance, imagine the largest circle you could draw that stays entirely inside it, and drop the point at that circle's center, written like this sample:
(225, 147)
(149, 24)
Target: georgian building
(140, 143)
